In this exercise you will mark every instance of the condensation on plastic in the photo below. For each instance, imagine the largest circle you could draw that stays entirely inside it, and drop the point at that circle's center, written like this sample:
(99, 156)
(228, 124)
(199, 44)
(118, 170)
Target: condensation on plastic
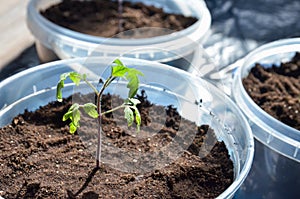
(53, 40)
(217, 109)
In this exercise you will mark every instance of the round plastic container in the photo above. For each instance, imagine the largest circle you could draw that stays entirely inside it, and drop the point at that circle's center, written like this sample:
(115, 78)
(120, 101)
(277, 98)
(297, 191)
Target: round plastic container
(167, 85)
(276, 168)
(55, 41)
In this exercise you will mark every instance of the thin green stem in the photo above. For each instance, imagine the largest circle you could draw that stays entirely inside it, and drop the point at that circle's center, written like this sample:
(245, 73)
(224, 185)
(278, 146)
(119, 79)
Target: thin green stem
(99, 94)
(98, 152)
(105, 85)
(92, 86)
(114, 109)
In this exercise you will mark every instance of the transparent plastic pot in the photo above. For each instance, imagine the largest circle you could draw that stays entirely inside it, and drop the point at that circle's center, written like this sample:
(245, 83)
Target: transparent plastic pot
(54, 41)
(164, 84)
(276, 168)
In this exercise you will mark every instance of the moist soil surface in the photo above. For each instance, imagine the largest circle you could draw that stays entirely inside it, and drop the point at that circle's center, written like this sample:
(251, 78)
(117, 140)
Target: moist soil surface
(102, 18)
(39, 158)
(276, 90)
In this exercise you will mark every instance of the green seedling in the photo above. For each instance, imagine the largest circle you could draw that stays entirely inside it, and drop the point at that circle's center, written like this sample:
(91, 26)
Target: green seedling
(131, 113)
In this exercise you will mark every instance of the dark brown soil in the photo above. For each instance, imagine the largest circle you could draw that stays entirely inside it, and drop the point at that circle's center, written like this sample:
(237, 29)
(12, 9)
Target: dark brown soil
(40, 159)
(101, 18)
(277, 90)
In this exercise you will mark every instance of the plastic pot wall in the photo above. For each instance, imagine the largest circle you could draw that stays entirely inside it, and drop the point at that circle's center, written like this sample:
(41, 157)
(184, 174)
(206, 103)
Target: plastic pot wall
(166, 85)
(276, 168)
(54, 41)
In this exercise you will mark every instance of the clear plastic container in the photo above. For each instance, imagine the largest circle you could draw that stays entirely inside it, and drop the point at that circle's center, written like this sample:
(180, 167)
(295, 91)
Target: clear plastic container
(55, 41)
(276, 168)
(164, 84)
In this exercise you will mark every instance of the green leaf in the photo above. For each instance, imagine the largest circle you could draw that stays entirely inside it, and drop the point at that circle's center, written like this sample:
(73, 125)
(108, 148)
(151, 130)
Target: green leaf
(131, 75)
(137, 117)
(75, 77)
(74, 115)
(134, 101)
(133, 81)
(91, 110)
(128, 113)
(69, 114)
(118, 62)
(73, 128)
(59, 87)
(64, 76)
(119, 71)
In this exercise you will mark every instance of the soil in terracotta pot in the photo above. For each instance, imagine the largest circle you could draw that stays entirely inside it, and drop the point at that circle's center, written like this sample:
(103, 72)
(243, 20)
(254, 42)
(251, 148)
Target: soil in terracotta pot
(101, 18)
(276, 90)
(40, 159)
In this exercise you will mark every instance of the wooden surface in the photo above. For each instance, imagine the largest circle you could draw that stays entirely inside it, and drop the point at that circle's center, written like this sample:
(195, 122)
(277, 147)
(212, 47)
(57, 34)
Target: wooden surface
(14, 34)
